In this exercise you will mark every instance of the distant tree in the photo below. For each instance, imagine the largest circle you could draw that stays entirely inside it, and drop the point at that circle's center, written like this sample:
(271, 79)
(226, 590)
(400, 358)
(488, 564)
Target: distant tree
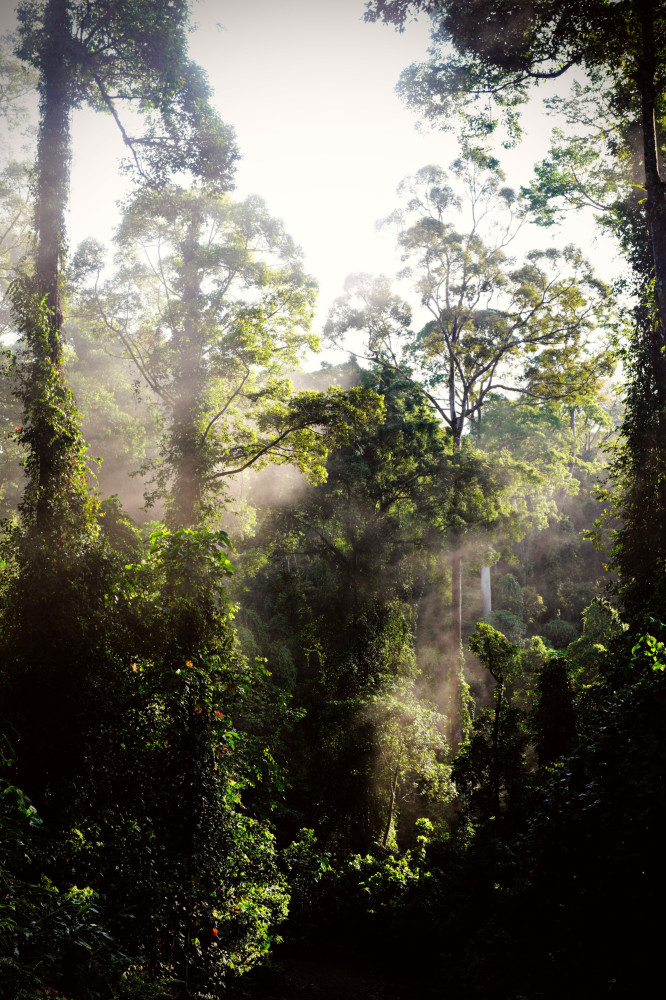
(396, 481)
(212, 307)
(491, 761)
(15, 232)
(15, 243)
(495, 325)
(121, 422)
(565, 447)
(410, 749)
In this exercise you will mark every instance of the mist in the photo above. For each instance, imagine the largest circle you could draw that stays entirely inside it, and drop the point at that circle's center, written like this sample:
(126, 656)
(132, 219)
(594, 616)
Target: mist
(332, 465)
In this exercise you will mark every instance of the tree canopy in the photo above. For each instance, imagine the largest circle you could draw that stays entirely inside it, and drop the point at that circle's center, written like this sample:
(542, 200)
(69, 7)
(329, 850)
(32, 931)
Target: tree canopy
(496, 324)
(399, 708)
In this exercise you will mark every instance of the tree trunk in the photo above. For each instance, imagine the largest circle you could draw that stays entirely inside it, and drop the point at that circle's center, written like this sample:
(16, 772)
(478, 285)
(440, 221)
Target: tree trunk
(185, 434)
(454, 728)
(656, 216)
(656, 193)
(486, 592)
(45, 337)
(191, 814)
(391, 808)
(456, 610)
(456, 593)
(53, 159)
(499, 691)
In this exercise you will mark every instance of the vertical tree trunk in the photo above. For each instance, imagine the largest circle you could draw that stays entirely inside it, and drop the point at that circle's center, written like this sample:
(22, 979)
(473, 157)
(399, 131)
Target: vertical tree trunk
(650, 473)
(572, 428)
(185, 435)
(656, 193)
(496, 783)
(53, 159)
(46, 397)
(456, 610)
(486, 592)
(391, 808)
(456, 593)
(454, 728)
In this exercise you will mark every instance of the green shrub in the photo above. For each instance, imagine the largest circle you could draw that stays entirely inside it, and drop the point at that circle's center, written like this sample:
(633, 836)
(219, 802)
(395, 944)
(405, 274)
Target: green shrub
(559, 632)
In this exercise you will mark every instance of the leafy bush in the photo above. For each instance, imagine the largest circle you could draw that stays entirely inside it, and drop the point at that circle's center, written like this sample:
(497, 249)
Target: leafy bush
(559, 632)
(508, 624)
(49, 939)
(508, 595)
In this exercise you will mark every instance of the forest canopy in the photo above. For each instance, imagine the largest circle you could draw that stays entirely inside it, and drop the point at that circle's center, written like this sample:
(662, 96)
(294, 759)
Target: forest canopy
(349, 662)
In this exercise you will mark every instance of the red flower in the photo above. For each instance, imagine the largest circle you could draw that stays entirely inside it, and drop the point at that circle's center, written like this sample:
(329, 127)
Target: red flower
(215, 932)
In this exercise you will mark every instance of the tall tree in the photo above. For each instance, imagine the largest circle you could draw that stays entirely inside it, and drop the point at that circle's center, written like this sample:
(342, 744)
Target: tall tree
(105, 55)
(621, 47)
(101, 54)
(502, 660)
(213, 308)
(496, 325)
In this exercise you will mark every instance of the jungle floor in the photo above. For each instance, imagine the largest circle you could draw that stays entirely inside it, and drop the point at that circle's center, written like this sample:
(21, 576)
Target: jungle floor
(297, 974)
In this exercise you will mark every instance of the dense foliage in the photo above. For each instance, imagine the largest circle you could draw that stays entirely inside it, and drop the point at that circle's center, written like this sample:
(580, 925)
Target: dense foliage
(407, 710)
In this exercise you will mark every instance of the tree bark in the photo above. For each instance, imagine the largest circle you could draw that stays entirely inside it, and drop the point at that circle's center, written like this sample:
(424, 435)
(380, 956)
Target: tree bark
(456, 613)
(456, 593)
(391, 808)
(486, 591)
(53, 160)
(656, 193)
(52, 195)
(656, 218)
(188, 486)
(499, 691)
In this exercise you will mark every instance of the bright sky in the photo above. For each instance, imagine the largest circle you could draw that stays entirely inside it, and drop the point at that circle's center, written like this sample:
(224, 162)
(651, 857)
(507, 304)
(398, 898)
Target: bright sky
(309, 87)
